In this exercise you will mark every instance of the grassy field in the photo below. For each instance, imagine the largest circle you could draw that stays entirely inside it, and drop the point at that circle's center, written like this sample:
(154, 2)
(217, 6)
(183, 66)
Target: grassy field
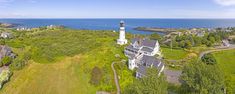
(226, 61)
(62, 61)
(63, 77)
(174, 54)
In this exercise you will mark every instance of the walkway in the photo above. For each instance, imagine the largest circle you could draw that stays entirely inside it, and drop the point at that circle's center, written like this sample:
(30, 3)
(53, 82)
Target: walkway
(116, 79)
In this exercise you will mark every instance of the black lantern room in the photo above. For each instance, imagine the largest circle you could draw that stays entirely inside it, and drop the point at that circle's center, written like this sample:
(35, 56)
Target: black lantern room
(122, 24)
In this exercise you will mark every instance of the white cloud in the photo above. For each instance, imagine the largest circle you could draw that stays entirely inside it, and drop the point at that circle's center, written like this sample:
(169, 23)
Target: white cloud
(226, 2)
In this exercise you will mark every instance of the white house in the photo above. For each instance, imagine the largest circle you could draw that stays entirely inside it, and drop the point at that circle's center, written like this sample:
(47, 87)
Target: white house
(122, 37)
(6, 35)
(141, 55)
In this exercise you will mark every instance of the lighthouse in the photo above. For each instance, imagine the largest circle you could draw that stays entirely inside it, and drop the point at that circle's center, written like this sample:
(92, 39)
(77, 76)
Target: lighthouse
(122, 36)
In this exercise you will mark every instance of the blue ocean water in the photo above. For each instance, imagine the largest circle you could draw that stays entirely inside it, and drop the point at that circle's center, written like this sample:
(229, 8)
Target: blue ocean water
(113, 24)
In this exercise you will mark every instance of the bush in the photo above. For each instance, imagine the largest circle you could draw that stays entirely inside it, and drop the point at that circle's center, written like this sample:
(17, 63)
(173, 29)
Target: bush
(6, 60)
(200, 78)
(96, 76)
(2, 42)
(4, 77)
(150, 84)
(17, 64)
(20, 61)
(209, 59)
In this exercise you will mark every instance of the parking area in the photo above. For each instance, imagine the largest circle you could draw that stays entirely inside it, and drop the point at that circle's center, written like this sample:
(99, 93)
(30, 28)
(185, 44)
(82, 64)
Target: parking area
(173, 76)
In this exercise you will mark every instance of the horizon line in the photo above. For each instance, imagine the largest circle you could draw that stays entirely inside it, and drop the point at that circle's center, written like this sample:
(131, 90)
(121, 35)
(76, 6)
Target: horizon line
(116, 18)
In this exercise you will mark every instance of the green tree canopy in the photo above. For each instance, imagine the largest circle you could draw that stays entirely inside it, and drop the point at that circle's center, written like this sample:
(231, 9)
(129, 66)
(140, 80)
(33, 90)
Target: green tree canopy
(6, 60)
(209, 59)
(156, 36)
(199, 78)
(151, 84)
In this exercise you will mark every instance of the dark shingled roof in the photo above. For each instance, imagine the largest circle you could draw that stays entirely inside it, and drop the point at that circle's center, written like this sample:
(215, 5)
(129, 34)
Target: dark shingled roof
(149, 43)
(132, 48)
(6, 51)
(145, 42)
(134, 40)
(142, 70)
(146, 49)
(131, 56)
(149, 60)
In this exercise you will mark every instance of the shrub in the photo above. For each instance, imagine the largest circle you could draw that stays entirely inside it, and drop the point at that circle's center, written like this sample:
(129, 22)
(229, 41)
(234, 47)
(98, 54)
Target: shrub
(200, 78)
(6, 60)
(96, 76)
(4, 77)
(2, 42)
(209, 59)
(20, 61)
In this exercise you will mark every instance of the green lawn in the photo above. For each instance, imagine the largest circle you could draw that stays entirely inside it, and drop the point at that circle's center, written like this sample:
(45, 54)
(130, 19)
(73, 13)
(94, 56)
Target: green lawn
(174, 54)
(226, 61)
(63, 77)
(62, 61)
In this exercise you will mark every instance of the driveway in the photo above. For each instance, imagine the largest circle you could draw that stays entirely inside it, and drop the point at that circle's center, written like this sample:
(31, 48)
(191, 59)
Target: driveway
(173, 76)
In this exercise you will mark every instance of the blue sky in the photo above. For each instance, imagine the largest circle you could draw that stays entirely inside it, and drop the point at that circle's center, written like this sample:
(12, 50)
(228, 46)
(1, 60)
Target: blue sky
(117, 8)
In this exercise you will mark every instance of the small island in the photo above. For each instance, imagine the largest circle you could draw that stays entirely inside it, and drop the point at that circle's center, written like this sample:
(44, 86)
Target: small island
(154, 29)
(7, 25)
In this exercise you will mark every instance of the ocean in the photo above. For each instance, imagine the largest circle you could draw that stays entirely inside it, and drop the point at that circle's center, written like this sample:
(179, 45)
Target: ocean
(113, 24)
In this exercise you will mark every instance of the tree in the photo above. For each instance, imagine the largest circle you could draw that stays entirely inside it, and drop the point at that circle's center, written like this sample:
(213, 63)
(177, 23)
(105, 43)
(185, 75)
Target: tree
(199, 78)
(209, 59)
(156, 36)
(197, 41)
(17, 64)
(151, 84)
(211, 39)
(233, 40)
(187, 44)
(208, 44)
(6, 60)
(2, 41)
(96, 76)
(182, 44)
(174, 43)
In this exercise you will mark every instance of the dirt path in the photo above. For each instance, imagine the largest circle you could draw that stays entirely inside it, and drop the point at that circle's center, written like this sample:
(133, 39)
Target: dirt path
(116, 79)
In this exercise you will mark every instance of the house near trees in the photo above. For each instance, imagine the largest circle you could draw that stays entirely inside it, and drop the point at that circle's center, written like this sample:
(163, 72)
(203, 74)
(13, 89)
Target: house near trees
(6, 35)
(141, 55)
(6, 51)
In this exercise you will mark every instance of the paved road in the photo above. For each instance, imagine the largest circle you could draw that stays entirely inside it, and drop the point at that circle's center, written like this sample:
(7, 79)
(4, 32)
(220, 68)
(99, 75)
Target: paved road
(216, 50)
(173, 76)
(116, 79)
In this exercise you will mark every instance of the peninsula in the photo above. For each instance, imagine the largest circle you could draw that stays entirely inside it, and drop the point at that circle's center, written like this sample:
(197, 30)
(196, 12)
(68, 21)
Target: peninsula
(7, 25)
(154, 29)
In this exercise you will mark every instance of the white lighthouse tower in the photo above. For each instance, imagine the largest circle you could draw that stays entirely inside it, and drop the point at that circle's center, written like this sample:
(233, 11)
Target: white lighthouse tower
(122, 37)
